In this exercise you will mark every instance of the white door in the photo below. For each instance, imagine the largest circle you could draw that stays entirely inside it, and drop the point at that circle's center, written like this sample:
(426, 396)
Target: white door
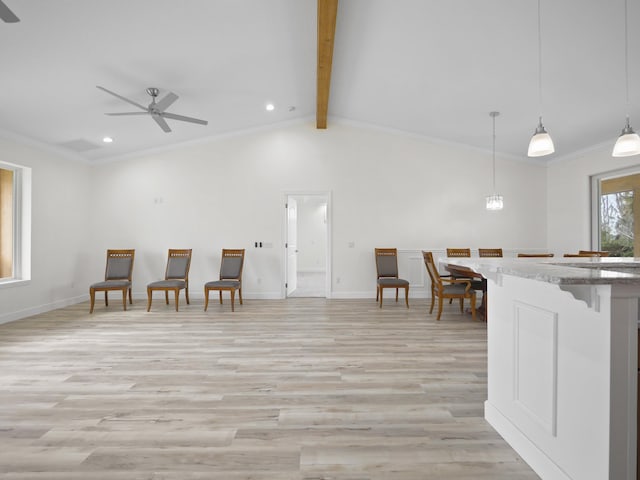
(292, 245)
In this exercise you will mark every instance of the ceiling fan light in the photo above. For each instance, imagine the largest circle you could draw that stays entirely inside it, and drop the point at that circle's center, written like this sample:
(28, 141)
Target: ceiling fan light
(494, 202)
(628, 143)
(541, 143)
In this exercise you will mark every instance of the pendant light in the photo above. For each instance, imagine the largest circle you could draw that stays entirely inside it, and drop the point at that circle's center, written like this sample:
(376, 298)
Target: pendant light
(494, 201)
(541, 143)
(628, 142)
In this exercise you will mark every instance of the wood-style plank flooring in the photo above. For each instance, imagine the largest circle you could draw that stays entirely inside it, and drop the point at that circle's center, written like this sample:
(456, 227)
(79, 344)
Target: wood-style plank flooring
(297, 389)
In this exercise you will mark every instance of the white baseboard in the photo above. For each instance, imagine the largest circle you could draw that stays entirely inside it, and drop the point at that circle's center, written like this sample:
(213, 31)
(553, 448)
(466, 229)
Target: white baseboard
(28, 312)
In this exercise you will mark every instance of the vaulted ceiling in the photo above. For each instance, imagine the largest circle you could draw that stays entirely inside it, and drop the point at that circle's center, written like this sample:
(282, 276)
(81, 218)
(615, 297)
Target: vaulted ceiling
(428, 67)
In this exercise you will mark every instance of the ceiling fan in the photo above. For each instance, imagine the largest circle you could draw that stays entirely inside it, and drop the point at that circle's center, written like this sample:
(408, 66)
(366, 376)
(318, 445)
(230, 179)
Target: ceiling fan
(157, 110)
(6, 14)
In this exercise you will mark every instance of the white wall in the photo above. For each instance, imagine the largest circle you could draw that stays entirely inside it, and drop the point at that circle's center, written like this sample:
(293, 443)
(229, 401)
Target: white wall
(59, 233)
(387, 189)
(569, 197)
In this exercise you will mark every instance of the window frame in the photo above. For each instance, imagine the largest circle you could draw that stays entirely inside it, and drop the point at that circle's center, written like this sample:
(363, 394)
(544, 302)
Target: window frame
(21, 254)
(596, 192)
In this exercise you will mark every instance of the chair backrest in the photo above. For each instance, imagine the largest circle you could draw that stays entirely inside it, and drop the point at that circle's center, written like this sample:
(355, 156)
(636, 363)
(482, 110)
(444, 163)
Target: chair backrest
(458, 252)
(432, 270)
(386, 262)
(490, 252)
(535, 255)
(178, 264)
(119, 264)
(593, 253)
(232, 264)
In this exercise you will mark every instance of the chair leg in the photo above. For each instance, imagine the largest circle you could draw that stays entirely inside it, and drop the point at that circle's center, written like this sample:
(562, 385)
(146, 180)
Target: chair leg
(186, 293)
(406, 295)
(439, 308)
(397, 294)
(377, 293)
(461, 304)
(381, 295)
(473, 306)
(92, 295)
(166, 297)
(106, 298)
(130, 297)
(124, 299)
(233, 294)
(177, 295)
(433, 301)
(206, 298)
(240, 295)
(148, 299)
(220, 297)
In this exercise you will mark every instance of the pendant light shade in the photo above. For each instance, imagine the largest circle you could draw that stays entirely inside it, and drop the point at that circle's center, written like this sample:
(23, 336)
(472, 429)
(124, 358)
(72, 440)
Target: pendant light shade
(541, 143)
(628, 143)
(494, 201)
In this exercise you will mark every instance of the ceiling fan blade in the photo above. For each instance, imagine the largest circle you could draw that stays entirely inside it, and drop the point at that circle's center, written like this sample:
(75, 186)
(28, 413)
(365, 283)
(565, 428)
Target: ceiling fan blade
(160, 121)
(128, 113)
(166, 101)
(120, 96)
(182, 118)
(6, 14)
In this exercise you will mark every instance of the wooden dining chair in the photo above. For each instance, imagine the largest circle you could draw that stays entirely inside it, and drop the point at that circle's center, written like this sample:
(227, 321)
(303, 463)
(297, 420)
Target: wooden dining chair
(230, 280)
(387, 274)
(176, 277)
(490, 252)
(443, 288)
(535, 255)
(458, 252)
(117, 276)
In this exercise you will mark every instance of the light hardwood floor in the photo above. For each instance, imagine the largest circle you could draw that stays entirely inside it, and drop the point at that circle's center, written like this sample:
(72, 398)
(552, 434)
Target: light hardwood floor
(298, 389)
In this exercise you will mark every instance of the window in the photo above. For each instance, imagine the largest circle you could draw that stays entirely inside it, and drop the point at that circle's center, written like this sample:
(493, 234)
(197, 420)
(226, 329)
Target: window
(617, 204)
(15, 225)
(7, 215)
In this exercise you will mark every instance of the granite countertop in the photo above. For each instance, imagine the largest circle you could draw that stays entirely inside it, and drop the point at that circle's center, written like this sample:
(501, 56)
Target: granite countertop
(560, 271)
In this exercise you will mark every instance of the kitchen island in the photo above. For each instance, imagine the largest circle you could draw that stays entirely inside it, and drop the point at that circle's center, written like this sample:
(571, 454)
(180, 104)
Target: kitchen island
(563, 362)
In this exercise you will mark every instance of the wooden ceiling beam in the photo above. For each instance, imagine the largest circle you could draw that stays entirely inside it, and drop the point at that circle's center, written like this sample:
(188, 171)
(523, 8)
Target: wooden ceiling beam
(327, 13)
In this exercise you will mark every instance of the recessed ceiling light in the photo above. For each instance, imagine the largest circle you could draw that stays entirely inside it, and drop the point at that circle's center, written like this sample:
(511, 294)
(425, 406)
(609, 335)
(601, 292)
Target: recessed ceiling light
(270, 107)
(107, 139)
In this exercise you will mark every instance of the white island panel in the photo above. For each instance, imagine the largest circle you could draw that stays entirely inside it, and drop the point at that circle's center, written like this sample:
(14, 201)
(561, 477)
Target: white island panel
(561, 387)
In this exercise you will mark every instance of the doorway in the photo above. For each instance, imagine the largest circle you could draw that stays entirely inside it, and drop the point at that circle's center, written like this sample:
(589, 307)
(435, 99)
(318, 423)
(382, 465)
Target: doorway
(307, 245)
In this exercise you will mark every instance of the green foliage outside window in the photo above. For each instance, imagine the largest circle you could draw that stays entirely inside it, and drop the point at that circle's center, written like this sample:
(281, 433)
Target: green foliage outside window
(616, 224)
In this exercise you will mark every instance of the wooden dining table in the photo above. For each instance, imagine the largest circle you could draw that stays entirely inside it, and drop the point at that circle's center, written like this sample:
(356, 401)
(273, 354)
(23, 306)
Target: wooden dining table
(459, 271)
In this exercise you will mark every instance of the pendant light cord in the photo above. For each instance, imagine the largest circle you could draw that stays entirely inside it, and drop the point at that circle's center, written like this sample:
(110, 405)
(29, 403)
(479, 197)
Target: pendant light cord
(626, 58)
(540, 59)
(494, 115)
